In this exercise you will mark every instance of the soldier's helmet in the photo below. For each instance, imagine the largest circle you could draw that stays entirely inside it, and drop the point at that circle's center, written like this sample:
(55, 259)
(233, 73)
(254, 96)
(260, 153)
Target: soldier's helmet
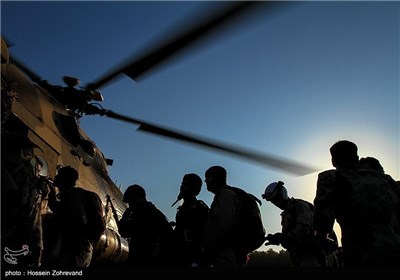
(132, 191)
(275, 189)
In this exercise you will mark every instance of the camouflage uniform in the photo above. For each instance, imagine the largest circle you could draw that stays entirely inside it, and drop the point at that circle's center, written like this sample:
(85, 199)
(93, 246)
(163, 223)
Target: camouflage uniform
(150, 233)
(396, 189)
(21, 198)
(365, 207)
(298, 232)
(189, 232)
(221, 227)
(75, 247)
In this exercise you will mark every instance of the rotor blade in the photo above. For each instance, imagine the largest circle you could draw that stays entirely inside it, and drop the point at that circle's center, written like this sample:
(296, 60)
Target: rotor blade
(258, 157)
(157, 55)
(32, 75)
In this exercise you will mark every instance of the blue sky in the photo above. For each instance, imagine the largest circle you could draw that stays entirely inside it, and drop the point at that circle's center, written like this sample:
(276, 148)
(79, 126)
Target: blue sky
(289, 83)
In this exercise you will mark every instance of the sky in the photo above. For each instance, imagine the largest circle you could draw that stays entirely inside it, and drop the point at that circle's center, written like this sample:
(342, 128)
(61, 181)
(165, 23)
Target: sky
(288, 82)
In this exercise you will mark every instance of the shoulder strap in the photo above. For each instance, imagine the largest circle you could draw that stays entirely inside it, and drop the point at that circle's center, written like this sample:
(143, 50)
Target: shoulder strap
(202, 204)
(309, 204)
(243, 193)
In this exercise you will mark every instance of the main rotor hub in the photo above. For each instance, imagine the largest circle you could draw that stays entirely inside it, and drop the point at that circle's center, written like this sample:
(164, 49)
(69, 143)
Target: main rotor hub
(71, 81)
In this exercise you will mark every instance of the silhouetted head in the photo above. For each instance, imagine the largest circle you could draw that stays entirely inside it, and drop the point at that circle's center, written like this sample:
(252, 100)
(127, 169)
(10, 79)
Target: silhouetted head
(66, 178)
(191, 185)
(190, 188)
(344, 154)
(133, 193)
(215, 178)
(371, 163)
(276, 193)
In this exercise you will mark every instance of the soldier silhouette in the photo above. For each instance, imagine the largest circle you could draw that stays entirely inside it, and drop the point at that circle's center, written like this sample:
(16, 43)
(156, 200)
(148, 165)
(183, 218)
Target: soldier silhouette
(297, 234)
(71, 213)
(148, 229)
(190, 223)
(363, 204)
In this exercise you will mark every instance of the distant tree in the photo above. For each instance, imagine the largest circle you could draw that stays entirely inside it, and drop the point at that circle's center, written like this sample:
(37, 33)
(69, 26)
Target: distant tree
(269, 258)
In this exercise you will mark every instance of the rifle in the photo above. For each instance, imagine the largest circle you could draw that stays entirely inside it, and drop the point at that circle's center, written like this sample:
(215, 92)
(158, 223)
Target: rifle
(114, 211)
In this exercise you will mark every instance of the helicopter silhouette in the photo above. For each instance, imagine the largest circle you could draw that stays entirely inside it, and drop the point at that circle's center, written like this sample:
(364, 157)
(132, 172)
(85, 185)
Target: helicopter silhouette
(50, 115)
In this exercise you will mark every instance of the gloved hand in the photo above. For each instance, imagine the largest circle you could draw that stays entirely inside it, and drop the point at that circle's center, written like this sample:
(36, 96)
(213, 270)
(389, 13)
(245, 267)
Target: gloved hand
(274, 239)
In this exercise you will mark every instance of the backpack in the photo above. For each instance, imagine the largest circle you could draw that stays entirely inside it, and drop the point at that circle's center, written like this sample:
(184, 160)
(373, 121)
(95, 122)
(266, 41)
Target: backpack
(251, 231)
(95, 224)
(367, 198)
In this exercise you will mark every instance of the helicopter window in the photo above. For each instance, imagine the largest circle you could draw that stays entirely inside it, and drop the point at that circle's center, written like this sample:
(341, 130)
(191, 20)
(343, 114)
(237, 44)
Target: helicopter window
(109, 161)
(68, 128)
(88, 147)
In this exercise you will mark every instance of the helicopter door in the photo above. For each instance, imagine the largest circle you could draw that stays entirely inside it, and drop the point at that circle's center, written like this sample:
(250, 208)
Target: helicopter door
(46, 152)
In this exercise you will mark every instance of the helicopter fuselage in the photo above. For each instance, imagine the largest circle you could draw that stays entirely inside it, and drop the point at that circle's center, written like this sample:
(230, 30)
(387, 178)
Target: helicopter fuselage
(60, 141)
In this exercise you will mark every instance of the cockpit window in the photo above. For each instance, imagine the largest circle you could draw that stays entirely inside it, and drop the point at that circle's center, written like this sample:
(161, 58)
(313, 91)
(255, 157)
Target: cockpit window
(88, 147)
(68, 128)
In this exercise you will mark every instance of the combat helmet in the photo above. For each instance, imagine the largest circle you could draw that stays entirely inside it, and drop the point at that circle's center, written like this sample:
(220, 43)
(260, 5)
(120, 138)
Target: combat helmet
(274, 189)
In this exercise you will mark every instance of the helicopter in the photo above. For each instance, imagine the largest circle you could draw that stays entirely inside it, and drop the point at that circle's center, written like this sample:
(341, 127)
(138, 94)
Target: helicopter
(40, 106)
(49, 115)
